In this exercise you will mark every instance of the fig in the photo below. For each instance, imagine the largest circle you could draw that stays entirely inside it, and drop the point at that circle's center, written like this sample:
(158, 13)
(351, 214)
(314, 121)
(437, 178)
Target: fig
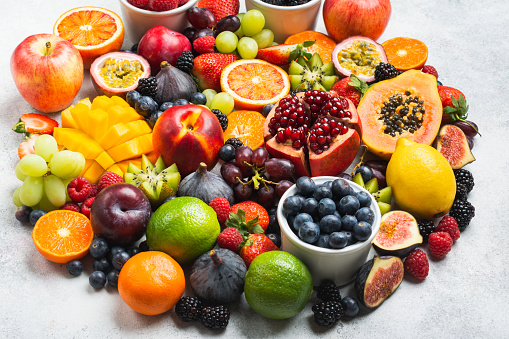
(377, 280)
(173, 84)
(453, 144)
(398, 234)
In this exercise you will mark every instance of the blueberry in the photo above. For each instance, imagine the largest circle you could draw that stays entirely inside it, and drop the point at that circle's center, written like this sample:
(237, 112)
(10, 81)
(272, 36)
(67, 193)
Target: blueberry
(322, 192)
(23, 213)
(198, 98)
(327, 184)
(338, 240)
(273, 224)
(350, 238)
(275, 238)
(348, 222)
(165, 105)
(309, 232)
(366, 173)
(113, 278)
(364, 198)
(119, 259)
(227, 152)
(102, 265)
(153, 118)
(310, 206)
(350, 306)
(362, 231)
(133, 250)
(134, 48)
(326, 206)
(323, 241)
(340, 188)
(179, 102)
(169, 198)
(145, 106)
(329, 224)
(348, 205)
(365, 214)
(114, 250)
(266, 109)
(305, 186)
(97, 279)
(292, 205)
(35, 215)
(74, 267)
(98, 248)
(132, 98)
(300, 219)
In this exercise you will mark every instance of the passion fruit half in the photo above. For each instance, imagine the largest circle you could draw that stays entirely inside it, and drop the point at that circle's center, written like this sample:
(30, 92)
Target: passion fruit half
(117, 73)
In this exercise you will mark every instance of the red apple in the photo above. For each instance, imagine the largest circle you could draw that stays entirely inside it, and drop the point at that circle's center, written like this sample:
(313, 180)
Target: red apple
(160, 44)
(188, 135)
(346, 18)
(120, 214)
(48, 71)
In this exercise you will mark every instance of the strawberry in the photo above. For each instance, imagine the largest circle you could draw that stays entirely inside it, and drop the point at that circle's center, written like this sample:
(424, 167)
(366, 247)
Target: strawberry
(253, 210)
(255, 245)
(351, 88)
(284, 54)
(27, 146)
(208, 67)
(161, 5)
(230, 238)
(204, 44)
(221, 8)
(454, 104)
(35, 123)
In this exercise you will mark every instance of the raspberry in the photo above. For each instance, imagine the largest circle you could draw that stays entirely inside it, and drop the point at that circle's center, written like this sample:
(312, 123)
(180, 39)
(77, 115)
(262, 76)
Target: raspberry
(94, 190)
(71, 206)
(109, 178)
(430, 70)
(230, 238)
(416, 263)
(79, 189)
(222, 208)
(448, 224)
(85, 207)
(204, 44)
(440, 243)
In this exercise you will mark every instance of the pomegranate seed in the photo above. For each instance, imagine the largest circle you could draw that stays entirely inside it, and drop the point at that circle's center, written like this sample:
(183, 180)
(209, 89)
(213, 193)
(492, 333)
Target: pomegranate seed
(321, 140)
(287, 133)
(297, 144)
(295, 135)
(284, 121)
(344, 130)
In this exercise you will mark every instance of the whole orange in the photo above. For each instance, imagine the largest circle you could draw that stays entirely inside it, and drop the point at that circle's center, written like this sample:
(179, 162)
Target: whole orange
(151, 282)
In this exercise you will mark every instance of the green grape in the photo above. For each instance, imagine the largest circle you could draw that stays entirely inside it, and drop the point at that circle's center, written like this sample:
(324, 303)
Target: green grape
(46, 146)
(240, 32)
(66, 183)
(223, 102)
(19, 174)
(248, 48)
(15, 197)
(252, 22)
(209, 93)
(264, 38)
(55, 190)
(46, 205)
(31, 191)
(80, 160)
(63, 164)
(33, 165)
(226, 42)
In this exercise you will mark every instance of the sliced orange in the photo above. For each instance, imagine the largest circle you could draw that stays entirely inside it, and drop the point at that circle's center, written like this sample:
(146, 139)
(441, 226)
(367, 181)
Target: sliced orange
(247, 126)
(94, 31)
(254, 83)
(323, 43)
(406, 53)
(62, 235)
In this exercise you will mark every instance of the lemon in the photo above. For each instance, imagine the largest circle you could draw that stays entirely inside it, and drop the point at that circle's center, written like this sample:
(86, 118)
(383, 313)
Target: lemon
(184, 228)
(277, 285)
(422, 180)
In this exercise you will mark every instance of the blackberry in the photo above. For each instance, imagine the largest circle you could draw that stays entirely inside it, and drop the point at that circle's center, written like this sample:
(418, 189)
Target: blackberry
(185, 61)
(189, 309)
(463, 211)
(147, 86)
(328, 291)
(464, 178)
(327, 313)
(215, 317)
(384, 71)
(461, 192)
(223, 120)
(426, 227)
(235, 142)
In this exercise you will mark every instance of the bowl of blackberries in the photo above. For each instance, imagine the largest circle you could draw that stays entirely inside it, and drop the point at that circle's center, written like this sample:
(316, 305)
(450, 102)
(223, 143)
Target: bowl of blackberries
(328, 223)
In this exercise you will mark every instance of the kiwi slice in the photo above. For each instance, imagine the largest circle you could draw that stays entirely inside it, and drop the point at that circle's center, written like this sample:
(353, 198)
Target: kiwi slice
(384, 195)
(372, 185)
(311, 74)
(358, 180)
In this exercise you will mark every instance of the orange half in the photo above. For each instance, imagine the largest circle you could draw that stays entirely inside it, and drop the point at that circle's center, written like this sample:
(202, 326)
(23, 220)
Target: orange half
(406, 53)
(94, 31)
(254, 83)
(247, 126)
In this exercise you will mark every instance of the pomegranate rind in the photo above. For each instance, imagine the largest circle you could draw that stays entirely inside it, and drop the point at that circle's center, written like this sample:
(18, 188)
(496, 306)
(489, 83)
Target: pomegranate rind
(452, 143)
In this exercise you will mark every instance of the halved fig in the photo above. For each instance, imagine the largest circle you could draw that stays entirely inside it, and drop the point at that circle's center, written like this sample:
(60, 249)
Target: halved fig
(378, 279)
(117, 73)
(398, 234)
(452, 143)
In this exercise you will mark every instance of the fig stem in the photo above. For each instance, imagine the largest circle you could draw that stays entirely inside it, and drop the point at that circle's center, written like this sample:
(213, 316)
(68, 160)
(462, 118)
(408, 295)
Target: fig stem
(202, 169)
(216, 260)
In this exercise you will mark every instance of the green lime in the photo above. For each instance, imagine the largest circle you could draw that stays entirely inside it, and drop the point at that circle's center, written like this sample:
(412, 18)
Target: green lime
(277, 285)
(184, 228)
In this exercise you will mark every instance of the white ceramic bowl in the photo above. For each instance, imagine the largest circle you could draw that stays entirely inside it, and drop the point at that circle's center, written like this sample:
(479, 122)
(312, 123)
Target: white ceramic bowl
(138, 21)
(340, 266)
(287, 20)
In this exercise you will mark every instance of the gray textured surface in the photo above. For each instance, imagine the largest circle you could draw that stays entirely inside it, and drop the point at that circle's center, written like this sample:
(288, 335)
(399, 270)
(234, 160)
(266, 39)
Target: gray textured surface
(464, 296)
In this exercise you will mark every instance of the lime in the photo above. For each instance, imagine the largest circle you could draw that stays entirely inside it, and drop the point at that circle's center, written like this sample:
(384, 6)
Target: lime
(184, 228)
(277, 285)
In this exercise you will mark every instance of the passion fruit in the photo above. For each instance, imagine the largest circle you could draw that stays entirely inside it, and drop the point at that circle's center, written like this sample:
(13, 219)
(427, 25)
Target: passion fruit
(358, 55)
(117, 73)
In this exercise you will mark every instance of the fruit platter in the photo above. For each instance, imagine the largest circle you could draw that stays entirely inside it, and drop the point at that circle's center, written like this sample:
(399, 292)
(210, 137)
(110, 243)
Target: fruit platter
(254, 168)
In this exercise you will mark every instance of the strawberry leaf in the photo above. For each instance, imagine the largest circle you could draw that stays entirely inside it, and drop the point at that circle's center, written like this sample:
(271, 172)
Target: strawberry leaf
(358, 84)
(300, 50)
(308, 43)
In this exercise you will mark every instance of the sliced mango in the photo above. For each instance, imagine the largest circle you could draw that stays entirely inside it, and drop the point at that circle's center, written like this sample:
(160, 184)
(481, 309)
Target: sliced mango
(79, 114)
(66, 116)
(119, 101)
(102, 102)
(122, 132)
(105, 160)
(132, 148)
(97, 123)
(116, 169)
(94, 172)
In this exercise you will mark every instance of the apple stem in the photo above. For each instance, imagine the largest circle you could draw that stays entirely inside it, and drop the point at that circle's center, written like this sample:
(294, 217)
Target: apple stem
(48, 48)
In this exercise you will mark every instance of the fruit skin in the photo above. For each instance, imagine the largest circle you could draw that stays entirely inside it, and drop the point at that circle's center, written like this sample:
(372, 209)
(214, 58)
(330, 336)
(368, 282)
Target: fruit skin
(230, 238)
(255, 245)
(253, 210)
(440, 243)
(49, 78)
(416, 263)
(220, 8)
(208, 67)
(120, 214)
(204, 44)
(348, 87)
(277, 55)
(452, 143)
(446, 94)
(346, 18)
(108, 178)
(160, 44)
(35, 123)
(215, 317)
(205, 186)
(188, 135)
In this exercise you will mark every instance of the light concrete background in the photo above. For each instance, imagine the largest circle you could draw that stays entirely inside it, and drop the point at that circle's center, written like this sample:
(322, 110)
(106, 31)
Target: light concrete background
(464, 296)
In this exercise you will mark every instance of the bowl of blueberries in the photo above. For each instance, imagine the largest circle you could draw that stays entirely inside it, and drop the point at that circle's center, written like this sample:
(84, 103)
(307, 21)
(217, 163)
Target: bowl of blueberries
(329, 224)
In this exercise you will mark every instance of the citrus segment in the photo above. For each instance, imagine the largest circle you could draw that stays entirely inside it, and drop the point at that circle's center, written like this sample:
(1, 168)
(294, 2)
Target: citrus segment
(62, 235)
(406, 53)
(323, 43)
(247, 126)
(254, 83)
